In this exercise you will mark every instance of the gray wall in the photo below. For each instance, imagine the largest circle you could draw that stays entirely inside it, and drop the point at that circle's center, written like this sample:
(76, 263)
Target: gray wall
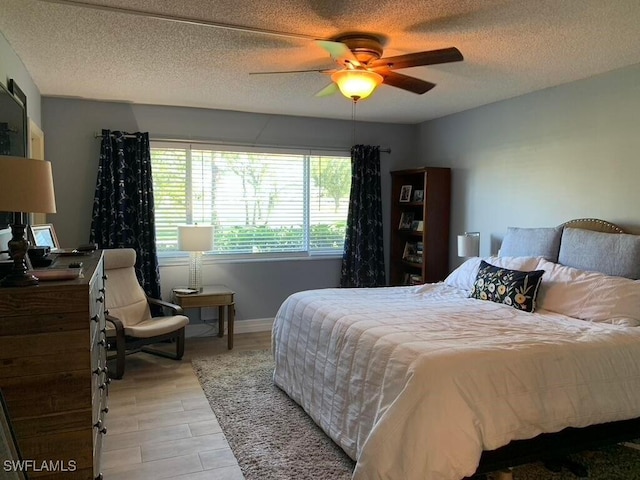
(538, 160)
(71, 124)
(12, 67)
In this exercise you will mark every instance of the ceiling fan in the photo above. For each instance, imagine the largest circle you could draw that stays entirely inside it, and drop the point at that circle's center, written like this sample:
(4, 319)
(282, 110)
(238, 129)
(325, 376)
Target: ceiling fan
(363, 67)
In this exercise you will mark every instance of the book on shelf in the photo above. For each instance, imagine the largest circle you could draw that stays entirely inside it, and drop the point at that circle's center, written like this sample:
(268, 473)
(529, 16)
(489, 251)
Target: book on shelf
(411, 253)
(406, 219)
(412, 279)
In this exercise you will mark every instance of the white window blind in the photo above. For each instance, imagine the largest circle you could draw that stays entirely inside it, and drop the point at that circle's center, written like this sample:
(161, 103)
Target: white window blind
(258, 202)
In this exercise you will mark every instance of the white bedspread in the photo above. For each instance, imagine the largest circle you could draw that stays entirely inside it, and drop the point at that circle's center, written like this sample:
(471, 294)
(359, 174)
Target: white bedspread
(414, 382)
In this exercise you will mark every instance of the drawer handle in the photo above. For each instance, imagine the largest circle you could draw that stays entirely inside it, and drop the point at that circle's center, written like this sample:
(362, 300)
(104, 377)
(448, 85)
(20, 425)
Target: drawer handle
(105, 276)
(105, 410)
(100, 299)
(98, 371)
(99, 477)
(102, 290)
(103, 431)
(96, 318)
(102, 386)
(102, 343)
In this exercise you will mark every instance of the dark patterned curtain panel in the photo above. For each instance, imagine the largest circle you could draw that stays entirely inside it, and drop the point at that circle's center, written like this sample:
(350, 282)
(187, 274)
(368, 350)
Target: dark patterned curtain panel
(123, 208)
(363, 257)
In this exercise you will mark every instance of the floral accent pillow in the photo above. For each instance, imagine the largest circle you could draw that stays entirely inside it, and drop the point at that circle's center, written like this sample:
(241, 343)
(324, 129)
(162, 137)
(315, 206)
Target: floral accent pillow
(512, 287)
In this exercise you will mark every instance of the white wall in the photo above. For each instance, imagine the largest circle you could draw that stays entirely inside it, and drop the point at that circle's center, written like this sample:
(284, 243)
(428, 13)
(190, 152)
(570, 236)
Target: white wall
(540, 159)
(70, 126)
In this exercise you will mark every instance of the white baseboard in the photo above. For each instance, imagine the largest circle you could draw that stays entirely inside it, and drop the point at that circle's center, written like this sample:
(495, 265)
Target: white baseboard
(210, 327)
(253, 325)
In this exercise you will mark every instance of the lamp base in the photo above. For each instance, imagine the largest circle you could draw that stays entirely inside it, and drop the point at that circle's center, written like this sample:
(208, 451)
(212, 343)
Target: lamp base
(19, 280)
(18, 245)
(195, 271)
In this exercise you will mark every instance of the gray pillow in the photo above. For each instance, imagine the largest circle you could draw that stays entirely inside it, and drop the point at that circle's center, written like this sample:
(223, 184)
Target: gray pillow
(615, 254)
(532, 242)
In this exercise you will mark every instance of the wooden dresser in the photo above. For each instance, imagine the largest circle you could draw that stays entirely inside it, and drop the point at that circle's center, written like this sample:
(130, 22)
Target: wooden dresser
(52, 370)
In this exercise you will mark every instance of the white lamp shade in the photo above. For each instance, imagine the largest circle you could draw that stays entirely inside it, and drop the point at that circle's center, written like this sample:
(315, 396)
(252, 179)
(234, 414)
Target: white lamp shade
(26, 185)
(469, 244)
(195, 238)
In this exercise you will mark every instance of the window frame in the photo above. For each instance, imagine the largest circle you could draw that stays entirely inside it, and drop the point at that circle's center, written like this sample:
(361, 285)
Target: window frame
(176, 257)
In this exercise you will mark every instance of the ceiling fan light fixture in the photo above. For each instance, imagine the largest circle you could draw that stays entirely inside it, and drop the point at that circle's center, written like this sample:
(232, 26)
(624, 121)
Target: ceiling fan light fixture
(356, 84)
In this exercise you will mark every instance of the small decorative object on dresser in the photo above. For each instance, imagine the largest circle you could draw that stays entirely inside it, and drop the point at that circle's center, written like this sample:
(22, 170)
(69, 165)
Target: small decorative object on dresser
(405, 193)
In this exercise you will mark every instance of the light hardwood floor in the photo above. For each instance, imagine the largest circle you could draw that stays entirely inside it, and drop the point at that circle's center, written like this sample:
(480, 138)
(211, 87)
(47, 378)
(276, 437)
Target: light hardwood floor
(160, 424)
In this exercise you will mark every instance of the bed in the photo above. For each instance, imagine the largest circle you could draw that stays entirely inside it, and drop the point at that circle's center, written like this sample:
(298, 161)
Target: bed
(426, 383)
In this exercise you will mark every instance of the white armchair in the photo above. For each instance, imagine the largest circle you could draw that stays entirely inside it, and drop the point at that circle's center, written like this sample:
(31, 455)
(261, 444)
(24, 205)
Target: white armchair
(130, 326)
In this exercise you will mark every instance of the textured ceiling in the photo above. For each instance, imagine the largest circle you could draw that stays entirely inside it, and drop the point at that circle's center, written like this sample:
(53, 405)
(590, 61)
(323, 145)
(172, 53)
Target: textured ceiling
(510, 48)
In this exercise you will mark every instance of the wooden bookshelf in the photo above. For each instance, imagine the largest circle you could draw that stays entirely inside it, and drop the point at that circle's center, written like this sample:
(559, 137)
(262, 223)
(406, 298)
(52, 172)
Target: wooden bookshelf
(420, 256)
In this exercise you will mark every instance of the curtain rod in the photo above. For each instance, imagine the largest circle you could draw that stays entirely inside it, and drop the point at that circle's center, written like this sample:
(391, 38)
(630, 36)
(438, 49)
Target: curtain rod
(236, 144)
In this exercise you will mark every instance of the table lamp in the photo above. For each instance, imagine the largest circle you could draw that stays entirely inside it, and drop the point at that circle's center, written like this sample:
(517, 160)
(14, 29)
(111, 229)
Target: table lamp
(195, 239)
(26, 186)
(469, 244)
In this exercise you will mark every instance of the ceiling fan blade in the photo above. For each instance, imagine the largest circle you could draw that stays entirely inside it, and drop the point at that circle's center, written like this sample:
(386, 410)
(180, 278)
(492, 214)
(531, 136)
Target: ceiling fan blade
(328, 90)
(339, 52)
(430, 57)
(315, 70)
(405, 82)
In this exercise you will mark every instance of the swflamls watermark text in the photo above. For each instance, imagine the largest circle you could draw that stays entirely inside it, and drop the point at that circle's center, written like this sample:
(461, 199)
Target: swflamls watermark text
(36, 466)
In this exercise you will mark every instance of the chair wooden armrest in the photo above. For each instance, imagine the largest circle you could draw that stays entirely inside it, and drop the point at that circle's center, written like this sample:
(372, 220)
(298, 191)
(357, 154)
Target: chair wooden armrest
(120, 344)
(177, 309)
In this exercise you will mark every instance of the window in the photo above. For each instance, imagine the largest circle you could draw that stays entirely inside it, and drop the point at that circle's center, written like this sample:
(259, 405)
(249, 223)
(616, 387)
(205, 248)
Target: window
(258, 202)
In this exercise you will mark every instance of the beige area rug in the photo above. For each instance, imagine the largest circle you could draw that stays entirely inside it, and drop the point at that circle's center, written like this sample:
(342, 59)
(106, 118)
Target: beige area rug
(274, 439)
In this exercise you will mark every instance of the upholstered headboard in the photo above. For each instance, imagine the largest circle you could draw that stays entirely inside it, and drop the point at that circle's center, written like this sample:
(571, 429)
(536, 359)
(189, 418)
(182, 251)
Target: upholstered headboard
(585, 243)
(593, 224)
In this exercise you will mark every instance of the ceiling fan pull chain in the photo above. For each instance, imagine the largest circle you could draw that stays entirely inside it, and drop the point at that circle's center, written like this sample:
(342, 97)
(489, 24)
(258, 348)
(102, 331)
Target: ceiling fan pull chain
(353, 121)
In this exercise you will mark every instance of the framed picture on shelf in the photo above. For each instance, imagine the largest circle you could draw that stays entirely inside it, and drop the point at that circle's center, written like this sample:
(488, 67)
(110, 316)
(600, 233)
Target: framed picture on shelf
(418, 195)
(406, 220)
(405, 193)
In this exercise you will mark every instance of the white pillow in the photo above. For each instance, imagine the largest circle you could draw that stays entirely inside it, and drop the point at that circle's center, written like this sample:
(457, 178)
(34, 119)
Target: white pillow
(589, 296)
(465, 275)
